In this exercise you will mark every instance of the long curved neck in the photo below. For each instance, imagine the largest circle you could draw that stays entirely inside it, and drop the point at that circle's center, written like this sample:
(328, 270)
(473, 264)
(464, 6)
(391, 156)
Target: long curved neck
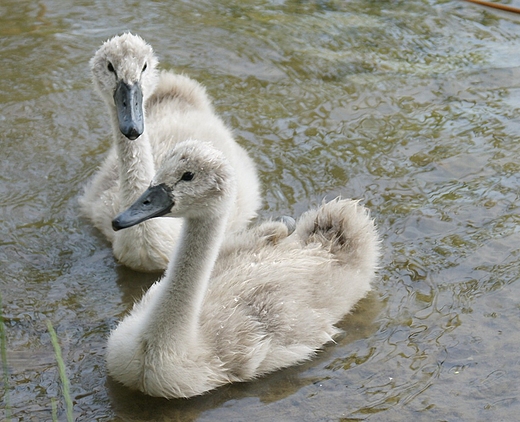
(136, 164)
(176, 312)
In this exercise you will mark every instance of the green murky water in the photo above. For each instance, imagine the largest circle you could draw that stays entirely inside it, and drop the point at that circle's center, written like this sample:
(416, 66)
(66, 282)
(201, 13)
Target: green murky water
(412, 106)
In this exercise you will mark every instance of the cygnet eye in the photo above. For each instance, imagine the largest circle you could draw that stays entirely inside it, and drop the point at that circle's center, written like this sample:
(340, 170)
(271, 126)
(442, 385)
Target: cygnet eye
(187, 176)
(144, 67)
(110, 68)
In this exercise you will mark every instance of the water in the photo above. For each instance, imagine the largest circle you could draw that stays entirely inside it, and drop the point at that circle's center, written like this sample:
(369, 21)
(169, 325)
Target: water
(411, 106)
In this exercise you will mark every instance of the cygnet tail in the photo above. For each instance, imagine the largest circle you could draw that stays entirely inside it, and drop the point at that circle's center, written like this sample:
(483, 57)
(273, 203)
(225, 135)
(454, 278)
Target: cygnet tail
(345, 229)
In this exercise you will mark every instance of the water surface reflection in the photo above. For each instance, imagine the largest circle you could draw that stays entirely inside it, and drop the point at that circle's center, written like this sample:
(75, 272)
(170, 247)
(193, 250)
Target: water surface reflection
(410, 106)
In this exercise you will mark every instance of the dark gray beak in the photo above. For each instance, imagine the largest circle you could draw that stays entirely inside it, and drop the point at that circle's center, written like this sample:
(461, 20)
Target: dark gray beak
(129, 106)
(154, 202)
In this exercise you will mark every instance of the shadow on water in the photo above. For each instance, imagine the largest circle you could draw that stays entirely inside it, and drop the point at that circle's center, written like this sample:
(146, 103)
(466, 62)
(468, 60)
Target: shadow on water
(133, 284)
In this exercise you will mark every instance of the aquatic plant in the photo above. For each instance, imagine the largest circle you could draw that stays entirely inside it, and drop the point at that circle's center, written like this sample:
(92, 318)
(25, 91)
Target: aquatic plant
(3, 351)
(65, 385)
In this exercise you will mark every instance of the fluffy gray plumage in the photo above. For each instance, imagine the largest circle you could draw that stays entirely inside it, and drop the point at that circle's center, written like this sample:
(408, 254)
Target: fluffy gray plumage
(176, 108)
(232, 308)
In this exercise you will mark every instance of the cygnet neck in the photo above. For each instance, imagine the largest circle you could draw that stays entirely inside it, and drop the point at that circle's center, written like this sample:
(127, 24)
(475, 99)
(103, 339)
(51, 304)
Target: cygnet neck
(136, 164)
(176, 313)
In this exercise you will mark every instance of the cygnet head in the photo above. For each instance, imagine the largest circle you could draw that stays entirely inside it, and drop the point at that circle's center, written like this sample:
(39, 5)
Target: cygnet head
(195, 181)
(124, 72)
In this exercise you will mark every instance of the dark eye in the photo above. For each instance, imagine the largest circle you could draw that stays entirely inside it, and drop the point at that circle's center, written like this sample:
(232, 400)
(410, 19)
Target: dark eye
(144, 67)
(110, 68)
(187, 176)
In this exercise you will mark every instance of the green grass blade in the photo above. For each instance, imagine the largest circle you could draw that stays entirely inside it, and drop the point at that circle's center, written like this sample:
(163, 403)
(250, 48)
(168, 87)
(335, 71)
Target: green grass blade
(3, 349)
(63, 374)
(54, 409)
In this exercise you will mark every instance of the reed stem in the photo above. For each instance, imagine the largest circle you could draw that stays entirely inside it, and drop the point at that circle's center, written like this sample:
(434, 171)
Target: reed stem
(3, 351)
(63, 375)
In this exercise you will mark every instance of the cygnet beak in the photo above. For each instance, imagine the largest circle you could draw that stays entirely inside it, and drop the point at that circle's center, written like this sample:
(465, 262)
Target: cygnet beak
(129, 106)
(156, 201)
